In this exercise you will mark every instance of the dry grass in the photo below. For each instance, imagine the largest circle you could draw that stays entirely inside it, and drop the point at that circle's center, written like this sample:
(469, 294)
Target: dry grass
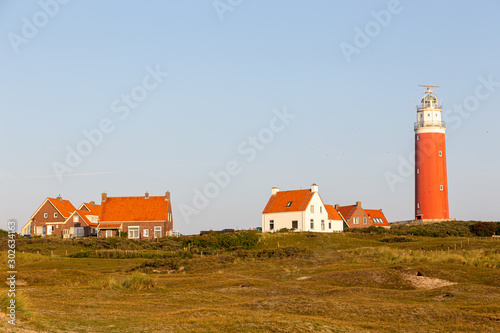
(346, 283)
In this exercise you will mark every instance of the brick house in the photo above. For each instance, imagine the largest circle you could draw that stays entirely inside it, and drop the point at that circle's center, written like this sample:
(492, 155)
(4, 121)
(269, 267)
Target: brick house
(79, 224)
(49, 217)
(299, 210)
(146, 217)
(357, 217)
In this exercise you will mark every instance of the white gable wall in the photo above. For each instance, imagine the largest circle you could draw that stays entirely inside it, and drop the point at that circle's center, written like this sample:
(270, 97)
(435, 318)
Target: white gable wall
(284, 219)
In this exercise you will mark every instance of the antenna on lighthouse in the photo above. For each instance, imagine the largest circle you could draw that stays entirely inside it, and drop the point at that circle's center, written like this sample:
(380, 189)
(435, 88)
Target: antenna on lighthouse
(428, 87)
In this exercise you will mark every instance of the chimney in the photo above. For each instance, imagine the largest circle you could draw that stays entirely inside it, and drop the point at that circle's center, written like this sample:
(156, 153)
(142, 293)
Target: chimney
(146, 196)
(59, 198)
(314, 188)
(358, 203)
(92, 203)
(337, 206)
(167, 196)
(274, 191)
(103, 197)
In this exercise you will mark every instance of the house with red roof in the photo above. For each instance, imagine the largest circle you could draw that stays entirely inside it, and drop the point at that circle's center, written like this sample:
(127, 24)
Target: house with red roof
(300, 210)
(145, 217)
(49, 217)
(357, 217)
(79, 224)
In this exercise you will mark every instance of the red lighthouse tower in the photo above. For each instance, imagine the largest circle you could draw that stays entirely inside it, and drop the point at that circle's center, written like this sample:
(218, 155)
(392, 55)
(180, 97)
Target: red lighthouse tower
(431, 185)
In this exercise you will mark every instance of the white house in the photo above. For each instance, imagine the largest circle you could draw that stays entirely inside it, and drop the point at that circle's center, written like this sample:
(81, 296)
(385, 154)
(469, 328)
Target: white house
(300, 210)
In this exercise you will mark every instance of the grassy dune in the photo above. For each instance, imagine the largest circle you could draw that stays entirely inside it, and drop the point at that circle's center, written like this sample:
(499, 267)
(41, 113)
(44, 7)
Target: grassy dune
(285, 282)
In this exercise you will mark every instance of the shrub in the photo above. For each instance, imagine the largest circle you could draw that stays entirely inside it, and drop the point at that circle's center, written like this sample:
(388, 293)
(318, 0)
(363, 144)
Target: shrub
(484, 229)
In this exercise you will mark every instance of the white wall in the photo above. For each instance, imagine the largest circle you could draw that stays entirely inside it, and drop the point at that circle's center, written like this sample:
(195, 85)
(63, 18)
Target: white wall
(284, 220)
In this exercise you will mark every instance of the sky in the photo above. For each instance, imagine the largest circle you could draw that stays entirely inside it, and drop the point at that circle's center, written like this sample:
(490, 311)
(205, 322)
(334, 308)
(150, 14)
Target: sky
(219, 101)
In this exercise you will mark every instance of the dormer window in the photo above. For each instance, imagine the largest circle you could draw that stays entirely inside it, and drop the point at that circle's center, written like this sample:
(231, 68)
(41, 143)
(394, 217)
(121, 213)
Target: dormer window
(289, 203)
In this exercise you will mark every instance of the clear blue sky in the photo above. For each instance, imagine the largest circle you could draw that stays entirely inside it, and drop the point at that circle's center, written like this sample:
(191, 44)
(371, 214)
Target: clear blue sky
(353, 122)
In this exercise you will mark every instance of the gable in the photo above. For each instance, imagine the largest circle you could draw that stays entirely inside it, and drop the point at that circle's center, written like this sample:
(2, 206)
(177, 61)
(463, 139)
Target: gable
(332, 213)
(288, 201)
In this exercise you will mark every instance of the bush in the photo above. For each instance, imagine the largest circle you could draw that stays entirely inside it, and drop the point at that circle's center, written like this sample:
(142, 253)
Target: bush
(484, 229)
(397, 239)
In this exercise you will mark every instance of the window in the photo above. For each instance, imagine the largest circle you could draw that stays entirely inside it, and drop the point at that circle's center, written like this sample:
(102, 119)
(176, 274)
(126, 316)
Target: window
(145, 233)
(322, 224)
(418, 137)
(329, 225)
(66, 231)
(289, 203)
(57, 226)
(364, 220)
(418, 171)
(75, 219)
(92, 230)
(312, 208)
(55, 215)
(440, 153)
(355, 220)
(109, 233)
(45, 215)
(418, 204)
(157, 232)
(312, 223)
(321, 209)
(441, 187)
(271, 224)
(295, 224)
(133, 232)
(79, 232)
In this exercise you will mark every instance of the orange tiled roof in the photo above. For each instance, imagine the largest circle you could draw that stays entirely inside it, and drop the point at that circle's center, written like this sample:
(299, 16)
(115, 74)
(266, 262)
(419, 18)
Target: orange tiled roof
(65, 207)
(117, 209)
(347, 211)
(278, 203)
(109, 226)
(332, 213)
(376, 213)
(93, 210)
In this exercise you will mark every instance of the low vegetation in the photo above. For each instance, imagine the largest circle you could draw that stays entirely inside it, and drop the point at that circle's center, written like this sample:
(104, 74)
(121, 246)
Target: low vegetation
(413, 278)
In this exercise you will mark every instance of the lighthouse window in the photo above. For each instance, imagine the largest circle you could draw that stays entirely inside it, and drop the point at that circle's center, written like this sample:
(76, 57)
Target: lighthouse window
(418, 137)
(418, 204)
(418, 171)
(440, 153)
(441, 187)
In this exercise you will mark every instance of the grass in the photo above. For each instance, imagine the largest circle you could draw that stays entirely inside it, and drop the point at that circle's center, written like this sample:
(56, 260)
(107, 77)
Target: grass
(285, 282)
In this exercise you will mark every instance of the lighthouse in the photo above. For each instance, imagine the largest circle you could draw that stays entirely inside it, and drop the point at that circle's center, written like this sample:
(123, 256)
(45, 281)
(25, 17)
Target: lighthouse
(431, 185)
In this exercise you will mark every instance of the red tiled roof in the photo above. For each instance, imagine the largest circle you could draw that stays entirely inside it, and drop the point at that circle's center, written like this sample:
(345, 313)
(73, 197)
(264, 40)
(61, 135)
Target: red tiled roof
(117, 209)
(109, 226)
(93, 210)
(332, 213)
(278, 203)
(376, 213)
(347, 211)
(64, 207)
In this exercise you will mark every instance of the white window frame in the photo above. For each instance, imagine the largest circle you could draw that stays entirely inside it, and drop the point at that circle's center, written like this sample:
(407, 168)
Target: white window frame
(355, 220)
(76, 219)
(135, 232)
(365, 220)
(312, 224)
(46, 215)
(145, 233)
(440, 153)
(55, 215)
(312, 209)
(157, 229)
(441, 187)
(322, 224)
(109, 233)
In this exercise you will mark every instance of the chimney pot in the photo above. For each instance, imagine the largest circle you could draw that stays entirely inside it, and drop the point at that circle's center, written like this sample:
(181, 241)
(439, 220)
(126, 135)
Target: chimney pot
(59, 198)
(167, 196)
(358, 203)
(274, 191)
(146, 196)
(337, 206)
(103, 197)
